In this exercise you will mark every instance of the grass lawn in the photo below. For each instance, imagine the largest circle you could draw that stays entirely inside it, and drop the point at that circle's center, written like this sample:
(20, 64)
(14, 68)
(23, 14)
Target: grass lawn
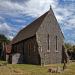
(24, 69)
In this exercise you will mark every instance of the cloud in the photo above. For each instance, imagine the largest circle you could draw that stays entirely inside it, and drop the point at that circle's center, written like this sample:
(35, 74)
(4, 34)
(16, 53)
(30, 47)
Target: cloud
(5, 27)
(18, 20)
(29, 7)
(39, 7)
(1, 18)
(7, 30)
(18, 9)
(70, 41)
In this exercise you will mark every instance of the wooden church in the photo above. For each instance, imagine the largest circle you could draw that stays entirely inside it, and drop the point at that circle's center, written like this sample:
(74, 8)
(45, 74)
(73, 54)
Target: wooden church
(41, 42)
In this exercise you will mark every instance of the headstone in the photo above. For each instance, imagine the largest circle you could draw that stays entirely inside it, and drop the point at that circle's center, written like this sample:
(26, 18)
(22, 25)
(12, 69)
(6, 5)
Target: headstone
(16, 58)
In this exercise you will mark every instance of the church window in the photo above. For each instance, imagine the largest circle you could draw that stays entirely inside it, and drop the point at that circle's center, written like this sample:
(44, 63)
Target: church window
(48, 40)
(56, 43)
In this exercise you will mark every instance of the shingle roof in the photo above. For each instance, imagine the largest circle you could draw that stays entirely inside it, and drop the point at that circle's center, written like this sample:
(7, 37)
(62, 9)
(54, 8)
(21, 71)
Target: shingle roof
(30, 30)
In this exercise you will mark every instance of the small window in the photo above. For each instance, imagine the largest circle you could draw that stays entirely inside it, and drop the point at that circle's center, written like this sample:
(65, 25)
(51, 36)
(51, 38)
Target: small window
(56, 43)
(40, 48)
(15, 49)
(48, 43)
(34, 48)
(29, 49)
(48, 40)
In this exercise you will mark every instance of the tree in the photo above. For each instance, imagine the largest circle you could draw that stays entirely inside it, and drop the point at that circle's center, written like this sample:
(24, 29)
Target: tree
(3, 38)
(70, 50)
(3, 41)
(73, 48)
(68, 46)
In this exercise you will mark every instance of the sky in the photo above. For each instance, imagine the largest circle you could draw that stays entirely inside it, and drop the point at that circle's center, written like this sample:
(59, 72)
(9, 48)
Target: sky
(17, 14)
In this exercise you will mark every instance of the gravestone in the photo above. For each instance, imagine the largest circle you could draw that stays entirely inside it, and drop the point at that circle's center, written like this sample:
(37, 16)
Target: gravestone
(17, 58)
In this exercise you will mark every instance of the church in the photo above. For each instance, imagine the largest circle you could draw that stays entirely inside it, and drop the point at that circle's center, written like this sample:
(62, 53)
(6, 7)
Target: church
(40, 42)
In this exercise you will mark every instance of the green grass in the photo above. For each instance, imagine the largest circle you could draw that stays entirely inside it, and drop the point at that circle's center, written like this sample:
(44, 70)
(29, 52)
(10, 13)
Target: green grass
(24, 69)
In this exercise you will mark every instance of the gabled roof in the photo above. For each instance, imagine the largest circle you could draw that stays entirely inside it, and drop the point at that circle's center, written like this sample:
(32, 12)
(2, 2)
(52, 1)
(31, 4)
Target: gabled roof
(30, 30)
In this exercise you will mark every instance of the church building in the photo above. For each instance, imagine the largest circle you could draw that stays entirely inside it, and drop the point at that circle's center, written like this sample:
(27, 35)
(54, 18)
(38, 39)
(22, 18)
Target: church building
(40, 42)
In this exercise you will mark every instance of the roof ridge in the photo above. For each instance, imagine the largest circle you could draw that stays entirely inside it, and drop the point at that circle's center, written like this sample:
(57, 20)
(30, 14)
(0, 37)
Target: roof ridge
(36, 19)
(29, 29)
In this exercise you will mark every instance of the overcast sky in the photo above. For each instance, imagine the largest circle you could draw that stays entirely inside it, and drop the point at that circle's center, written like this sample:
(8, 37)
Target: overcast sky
(16, 14)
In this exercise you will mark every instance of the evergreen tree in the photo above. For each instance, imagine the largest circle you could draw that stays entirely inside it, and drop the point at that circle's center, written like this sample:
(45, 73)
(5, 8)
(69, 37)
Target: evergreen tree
(3, 41)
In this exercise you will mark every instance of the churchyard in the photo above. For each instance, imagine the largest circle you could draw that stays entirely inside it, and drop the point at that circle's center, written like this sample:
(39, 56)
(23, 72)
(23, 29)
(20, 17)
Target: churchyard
(28, 69)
